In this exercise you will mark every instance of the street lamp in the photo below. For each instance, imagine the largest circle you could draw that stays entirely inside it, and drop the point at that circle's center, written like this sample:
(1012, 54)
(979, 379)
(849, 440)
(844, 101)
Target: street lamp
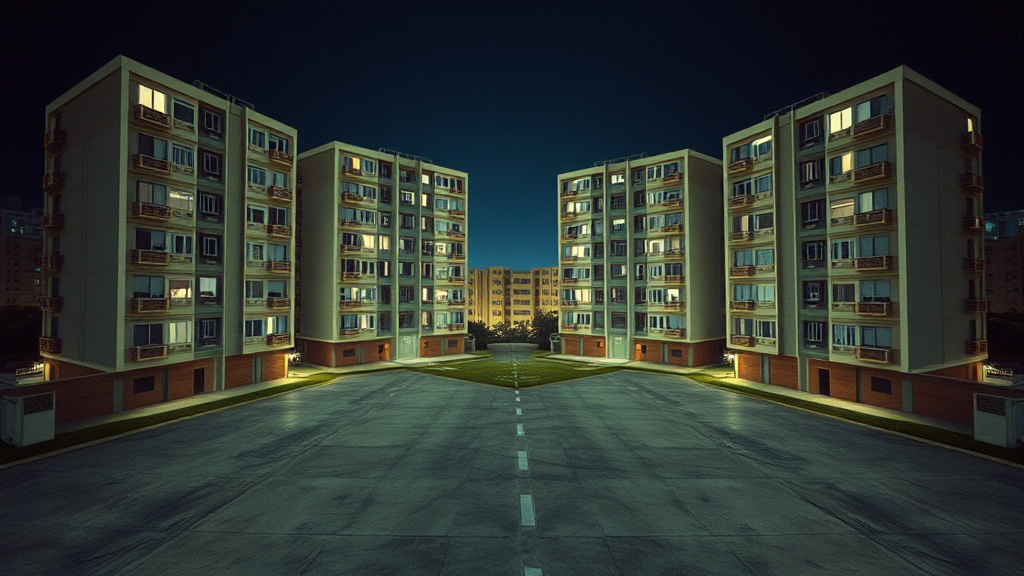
(731, 359)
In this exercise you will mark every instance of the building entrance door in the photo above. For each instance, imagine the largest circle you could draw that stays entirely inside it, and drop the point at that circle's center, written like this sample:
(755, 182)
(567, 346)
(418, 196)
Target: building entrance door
(199, 381)
(824, 386)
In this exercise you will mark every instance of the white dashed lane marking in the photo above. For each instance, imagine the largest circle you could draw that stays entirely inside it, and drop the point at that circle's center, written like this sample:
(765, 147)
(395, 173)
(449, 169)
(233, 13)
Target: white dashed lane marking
(526, 507)
(519, 430)
(519, 411)
(523, 463)
(532, 572)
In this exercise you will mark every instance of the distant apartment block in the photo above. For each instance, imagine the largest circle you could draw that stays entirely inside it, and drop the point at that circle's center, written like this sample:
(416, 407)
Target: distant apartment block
(502, 295)
(854, 244)
(382, 256)
(21, 247)
(169, 219)
(640, 259)
(1004, 261)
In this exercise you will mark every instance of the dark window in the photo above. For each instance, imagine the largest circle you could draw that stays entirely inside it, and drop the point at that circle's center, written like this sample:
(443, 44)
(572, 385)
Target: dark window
(143, 385)
(676, 353)
(881, 385)
(453, 343)
(348, 353)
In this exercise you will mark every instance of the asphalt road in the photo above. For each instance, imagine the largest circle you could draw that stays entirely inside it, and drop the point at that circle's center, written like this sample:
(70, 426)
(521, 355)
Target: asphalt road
(408, 473)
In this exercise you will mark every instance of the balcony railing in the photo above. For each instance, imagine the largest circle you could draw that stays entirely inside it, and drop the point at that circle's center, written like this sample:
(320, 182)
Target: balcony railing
(880, 355)
(570, 303)
(972, 142)
(50, 345)
(741, 271)
(279, 303)
(742, 340)
(569, 327)
(153, 352)
(277, 193)
(152, 117)
(974, 265)
(740, 166)
(52, 263)
(740, 201)
(873, 263)
(674, 333)
(51, 303)
(53, 140)
(279, 267)
(279, 157)
(741, 236)
(972, 183)
(455, 326)
(973, 306)
(143, 305)
(876, 171)
(970, 346)
(53, 183)
(150, 164)
(873, 218)
(973, 224)
(151, 211)
(873, 308)
(279, 339)
(457, 213)
(53, 222)
(150, 257)
(879, 123)
(742, 305)
(453, 190)
(279, 230)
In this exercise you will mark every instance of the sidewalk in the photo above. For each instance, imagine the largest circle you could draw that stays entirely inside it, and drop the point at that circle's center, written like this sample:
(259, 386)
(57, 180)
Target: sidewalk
(296, 373)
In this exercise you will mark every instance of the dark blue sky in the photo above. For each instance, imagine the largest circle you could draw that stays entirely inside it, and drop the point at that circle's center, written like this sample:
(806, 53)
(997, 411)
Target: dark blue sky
(516, 93)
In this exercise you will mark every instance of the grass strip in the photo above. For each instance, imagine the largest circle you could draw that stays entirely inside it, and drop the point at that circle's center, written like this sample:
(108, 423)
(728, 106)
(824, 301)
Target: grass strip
(491, 371)
(915, 429)
(10, 453)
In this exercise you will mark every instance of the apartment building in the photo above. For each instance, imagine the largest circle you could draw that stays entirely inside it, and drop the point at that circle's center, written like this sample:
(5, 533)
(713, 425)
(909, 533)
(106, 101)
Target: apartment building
(1004, 261)
(502, 295)
(169, 240)
(640, 259)
(21, 247)
(382, 256)
(854, 243)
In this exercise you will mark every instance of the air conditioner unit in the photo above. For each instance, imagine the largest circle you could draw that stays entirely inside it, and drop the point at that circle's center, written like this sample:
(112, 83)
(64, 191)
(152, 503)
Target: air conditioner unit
(28, 419)
(999, 420)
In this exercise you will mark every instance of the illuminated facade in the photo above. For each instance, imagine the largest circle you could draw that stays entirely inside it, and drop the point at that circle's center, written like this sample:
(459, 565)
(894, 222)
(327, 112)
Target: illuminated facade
(1004, 261)
(21, 246)
(502, 295)
(640, 275)
(382, 256)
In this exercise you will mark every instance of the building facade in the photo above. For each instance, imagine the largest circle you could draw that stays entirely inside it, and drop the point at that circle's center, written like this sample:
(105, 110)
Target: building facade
(1004, 261)
(21, 247)
(854, 247)
(382, 256)
(640, 260)
(169, 238)
(502, 295)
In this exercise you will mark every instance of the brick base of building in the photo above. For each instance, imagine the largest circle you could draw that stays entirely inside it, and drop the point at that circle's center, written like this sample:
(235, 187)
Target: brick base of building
(334, 354)
(593, 346)
(679, 353)
(446, 345)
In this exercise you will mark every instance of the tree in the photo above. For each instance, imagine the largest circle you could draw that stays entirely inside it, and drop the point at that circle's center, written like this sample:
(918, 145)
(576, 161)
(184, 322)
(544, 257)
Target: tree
(543, 326)
(482, 333)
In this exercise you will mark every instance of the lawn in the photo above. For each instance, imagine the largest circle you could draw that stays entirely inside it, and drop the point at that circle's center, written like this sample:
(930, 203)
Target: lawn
(528, 373)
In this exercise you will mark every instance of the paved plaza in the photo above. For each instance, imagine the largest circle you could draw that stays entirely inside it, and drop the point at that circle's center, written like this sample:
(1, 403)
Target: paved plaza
(408, 473)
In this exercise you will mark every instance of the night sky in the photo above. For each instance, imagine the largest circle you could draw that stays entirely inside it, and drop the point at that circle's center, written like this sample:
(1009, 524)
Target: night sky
(517, 93)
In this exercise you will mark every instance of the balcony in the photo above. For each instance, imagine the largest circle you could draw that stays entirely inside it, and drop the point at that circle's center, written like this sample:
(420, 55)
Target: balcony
(453, 327)
(151, 211)
(53, 183)
(53, 140)
(52, 263)
(973, 306)
(873, 308)
(279, 303)
(974, 265)
(676, 178)
(53, 222)
(279, 339)
(673, 254)
(451, 190)
(741, 271)
(741, 305)
(144, 305)
(741, 201)
(457, 213)
(278, 157)
(150, 258)
(872, 125)
(740, 166)
(972, 183)
(152, 117)
(51, 303)
(568, 193)
(970, 346)
(870, 263)
(881, 217)
(570, 303)
(880, 355)
(876, 171)
(742, 340)
(674, 333)
(49, 345)
(457, 257)
(153, 352)
(973, 224)
(744, 236)
(971, 142)
(279, 267)
(150, 164)
(281, 194)
(569, 327)
(279, 230)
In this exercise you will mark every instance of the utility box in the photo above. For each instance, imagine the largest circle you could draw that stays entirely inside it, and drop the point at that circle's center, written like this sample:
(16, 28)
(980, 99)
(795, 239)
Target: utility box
(28, 419)
(555, 340)
(999, 420)
(470, 343)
